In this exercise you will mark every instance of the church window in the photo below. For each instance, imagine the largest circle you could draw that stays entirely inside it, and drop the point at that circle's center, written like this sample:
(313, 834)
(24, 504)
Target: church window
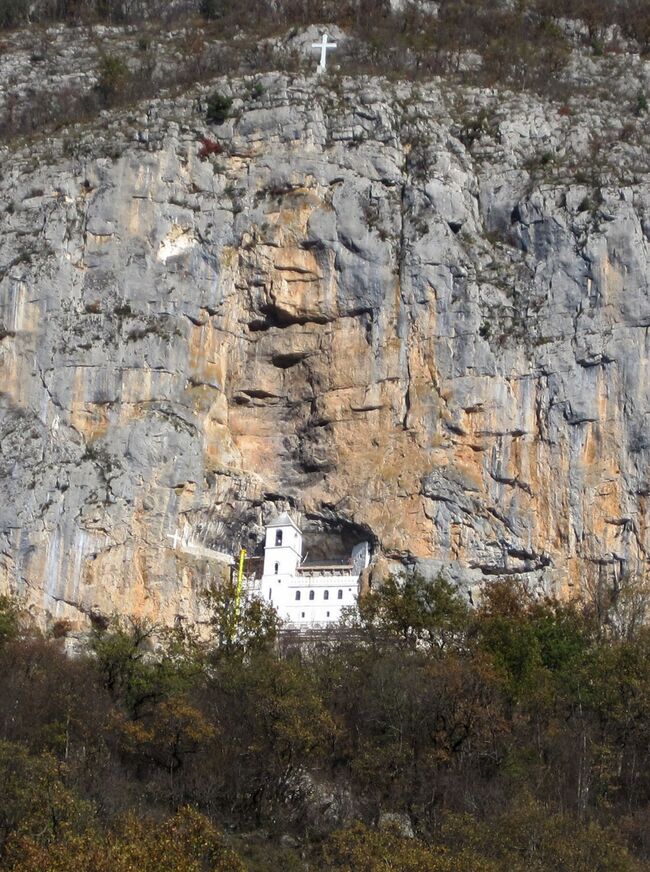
(328, 614)
(278, 537)
(340, 594)
(270, 593)
(277, 567)
(297, 594)
(302, 614)
(326, 595)
(311, 594)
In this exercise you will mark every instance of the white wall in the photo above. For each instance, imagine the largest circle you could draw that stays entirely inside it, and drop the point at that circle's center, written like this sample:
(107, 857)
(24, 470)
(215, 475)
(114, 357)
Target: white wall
(319, 610)
(282, 580)
(287, 555)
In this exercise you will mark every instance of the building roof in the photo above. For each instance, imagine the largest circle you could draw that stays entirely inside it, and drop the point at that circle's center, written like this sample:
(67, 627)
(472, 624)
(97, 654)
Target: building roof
(284, 520)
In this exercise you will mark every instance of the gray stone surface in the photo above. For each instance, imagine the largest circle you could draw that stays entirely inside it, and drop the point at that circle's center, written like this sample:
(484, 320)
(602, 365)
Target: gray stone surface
(353, 311)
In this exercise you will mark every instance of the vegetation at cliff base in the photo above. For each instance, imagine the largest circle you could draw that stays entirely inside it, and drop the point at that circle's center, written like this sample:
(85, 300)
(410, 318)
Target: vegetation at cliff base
(426, 736)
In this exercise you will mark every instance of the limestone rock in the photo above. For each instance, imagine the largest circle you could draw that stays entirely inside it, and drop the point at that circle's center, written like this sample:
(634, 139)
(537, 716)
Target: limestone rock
(397, 822)
(353, 311)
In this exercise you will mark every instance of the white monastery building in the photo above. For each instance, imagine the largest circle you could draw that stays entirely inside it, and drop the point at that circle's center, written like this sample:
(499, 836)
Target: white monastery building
(307, 595)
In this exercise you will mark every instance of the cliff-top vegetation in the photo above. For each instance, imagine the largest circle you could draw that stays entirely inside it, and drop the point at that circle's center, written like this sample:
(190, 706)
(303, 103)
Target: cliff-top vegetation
(144, 47)
(509, 737)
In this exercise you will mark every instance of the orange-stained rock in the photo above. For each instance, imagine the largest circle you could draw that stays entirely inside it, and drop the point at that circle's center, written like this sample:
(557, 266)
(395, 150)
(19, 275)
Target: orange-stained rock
(348, 314)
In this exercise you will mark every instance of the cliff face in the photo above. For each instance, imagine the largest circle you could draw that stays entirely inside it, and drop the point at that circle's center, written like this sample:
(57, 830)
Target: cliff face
(384, 307)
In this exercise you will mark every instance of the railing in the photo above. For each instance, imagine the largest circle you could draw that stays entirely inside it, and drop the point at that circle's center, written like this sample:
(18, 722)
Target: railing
(345, 569)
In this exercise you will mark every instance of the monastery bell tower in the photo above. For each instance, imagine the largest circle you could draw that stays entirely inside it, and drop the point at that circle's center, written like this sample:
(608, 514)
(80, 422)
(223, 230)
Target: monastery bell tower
(283, 547)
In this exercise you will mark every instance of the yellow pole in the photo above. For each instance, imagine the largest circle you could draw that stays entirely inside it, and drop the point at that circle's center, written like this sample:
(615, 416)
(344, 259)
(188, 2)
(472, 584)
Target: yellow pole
(240, 582)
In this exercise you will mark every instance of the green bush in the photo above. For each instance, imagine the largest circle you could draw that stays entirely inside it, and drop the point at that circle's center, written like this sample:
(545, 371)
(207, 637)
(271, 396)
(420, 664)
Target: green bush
(113, 78)
(218, 108)
(213, 8)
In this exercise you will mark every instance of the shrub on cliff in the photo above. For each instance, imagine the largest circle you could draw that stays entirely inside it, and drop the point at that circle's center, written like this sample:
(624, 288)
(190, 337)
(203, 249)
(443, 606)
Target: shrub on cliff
(209, 147)
(218, 108)
(213, 8)
(113, 78)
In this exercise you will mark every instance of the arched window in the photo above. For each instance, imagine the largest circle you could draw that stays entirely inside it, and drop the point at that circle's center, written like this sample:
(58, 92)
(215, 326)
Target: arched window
(270, 594)
(328, 614)
(302, 614)
(326, 594)
(311, 594)
(339, 595)
(277, 567)
(297, 594)
(278, 537)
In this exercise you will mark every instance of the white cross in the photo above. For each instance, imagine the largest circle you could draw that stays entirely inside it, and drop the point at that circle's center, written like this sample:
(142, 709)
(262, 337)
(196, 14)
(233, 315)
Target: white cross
(323, 45)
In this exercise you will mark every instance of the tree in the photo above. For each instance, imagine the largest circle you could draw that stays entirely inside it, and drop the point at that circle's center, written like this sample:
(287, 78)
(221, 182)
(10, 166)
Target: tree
(35, 802)
(13, 12)
(503, 630)
(361, 849)
(240, 628)
(410, 724)
(141, 664)
(186, 842)
(531, 837)
(410, 611)
(114, 77)
(273, 724)
(634, 16)
(619, 606)
(171, 732)
(9, 620)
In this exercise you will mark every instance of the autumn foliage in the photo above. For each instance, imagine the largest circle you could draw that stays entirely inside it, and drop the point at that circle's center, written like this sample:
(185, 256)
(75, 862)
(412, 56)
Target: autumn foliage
(208, 147)
(510, 737)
